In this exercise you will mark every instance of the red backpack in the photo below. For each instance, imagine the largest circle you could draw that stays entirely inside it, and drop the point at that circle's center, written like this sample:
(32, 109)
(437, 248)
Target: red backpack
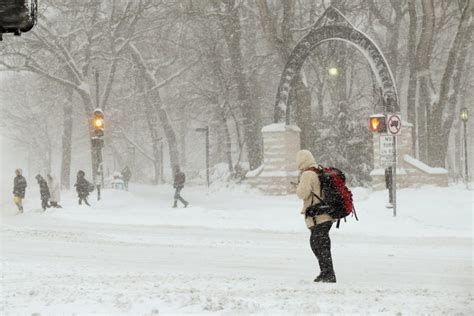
(337, 196)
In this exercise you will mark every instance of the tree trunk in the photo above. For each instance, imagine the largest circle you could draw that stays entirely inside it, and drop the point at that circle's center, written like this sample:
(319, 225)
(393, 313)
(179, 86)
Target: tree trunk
(230, 22)
(227, 139)
(443, 112)
(67, 142)
(412, 83)
(423, 59)
(154, 98)
(152, 122)
(182, 138)
(300, 95)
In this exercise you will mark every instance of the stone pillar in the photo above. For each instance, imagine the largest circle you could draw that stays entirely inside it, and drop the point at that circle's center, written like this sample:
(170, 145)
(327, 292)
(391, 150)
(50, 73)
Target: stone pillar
(280, 144)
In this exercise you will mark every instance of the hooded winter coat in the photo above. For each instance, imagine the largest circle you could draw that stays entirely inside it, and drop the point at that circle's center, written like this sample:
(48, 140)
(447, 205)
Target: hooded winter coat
(19, 186)
(82, 185)
(53, 186)
(44, 190)
(307, 185)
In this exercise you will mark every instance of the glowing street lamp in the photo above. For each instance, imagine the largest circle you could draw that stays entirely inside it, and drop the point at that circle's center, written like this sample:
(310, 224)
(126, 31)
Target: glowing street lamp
(464, 114)
(333, 71)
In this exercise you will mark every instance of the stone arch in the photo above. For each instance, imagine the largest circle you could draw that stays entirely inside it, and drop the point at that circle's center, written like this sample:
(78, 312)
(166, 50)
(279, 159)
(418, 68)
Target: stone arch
(334, 26)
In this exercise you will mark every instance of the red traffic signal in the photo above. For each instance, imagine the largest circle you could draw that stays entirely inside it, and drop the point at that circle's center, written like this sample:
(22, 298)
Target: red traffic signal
(378, 123)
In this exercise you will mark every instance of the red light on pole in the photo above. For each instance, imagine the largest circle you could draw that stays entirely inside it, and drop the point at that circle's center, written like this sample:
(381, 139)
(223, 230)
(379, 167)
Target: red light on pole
(98, 123)
(377, 123)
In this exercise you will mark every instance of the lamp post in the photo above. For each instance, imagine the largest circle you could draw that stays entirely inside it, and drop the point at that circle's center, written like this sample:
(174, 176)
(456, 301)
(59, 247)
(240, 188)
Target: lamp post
(333, 71)
(206, 130)
(97, 140)
(464, 118)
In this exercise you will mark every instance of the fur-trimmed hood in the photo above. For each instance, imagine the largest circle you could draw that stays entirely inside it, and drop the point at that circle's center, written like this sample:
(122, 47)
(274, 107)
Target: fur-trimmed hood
(305, 159)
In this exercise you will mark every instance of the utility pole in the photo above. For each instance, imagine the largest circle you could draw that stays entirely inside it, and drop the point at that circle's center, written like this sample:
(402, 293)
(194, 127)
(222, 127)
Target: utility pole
(97, 145)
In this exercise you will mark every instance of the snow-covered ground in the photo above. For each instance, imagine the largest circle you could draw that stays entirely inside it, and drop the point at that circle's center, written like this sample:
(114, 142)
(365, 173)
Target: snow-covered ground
(235, 251)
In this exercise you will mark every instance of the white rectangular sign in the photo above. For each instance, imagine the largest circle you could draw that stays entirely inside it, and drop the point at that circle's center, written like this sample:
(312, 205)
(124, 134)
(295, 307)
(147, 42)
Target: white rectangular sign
(386, 151)
(387, 161)
(386, 145)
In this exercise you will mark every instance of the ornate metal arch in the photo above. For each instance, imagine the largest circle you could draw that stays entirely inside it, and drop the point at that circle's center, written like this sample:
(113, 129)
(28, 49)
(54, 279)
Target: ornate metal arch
(333, 25)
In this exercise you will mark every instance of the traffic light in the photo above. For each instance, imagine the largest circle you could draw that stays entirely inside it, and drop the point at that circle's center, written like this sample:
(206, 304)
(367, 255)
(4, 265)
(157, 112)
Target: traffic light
(17, 16)
(378, 123)
(98, 123)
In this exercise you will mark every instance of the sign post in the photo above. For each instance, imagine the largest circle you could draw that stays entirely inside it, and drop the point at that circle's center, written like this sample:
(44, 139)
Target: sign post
(394, 128)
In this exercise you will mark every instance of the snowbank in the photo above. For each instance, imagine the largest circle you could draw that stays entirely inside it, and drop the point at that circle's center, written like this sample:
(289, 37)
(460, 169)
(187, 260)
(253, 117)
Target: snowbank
(423, 167)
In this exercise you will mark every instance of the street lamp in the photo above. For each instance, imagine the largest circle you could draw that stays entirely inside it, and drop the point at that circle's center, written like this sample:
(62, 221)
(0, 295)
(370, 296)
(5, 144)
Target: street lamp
(333, 71)
(464, 118)
(206, 130)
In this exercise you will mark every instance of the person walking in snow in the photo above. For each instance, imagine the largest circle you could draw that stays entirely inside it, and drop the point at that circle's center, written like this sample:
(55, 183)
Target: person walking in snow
(179, 180)
(321, 223)
(82, 187)
(44, 192)
(19, 188)
(55, 191)
(126, 176)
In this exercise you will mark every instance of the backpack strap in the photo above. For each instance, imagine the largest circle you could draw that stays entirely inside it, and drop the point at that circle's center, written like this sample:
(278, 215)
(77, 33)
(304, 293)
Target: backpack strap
(320, 200)
(354, 212)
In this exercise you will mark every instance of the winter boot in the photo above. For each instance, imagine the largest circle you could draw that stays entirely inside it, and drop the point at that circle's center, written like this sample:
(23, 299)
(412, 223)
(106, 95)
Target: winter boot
(326, 278)
(87, 203)
(186, 204)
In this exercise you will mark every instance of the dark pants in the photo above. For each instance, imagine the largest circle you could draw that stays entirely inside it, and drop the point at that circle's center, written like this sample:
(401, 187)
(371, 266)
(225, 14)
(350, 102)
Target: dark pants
(44, 204)
(321, 246)
(55, 204)
(177, 196)
(83, 197)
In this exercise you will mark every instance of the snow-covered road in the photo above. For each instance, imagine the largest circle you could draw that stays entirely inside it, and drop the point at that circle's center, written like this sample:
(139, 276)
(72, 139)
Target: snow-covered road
(134, 254)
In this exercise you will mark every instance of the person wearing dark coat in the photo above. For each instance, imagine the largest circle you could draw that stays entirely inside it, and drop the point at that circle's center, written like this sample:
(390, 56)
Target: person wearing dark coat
(82, 187)
(19, 188)
(179, 180)
(127, 175)
(44, 192)
(388, 185)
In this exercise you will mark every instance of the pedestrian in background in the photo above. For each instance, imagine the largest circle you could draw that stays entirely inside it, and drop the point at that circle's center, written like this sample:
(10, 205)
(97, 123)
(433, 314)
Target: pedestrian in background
(83, 187)
(19, 188)
(389, 186)
(126, 176)
(55, 191)
(179, 180)
(44, 192)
